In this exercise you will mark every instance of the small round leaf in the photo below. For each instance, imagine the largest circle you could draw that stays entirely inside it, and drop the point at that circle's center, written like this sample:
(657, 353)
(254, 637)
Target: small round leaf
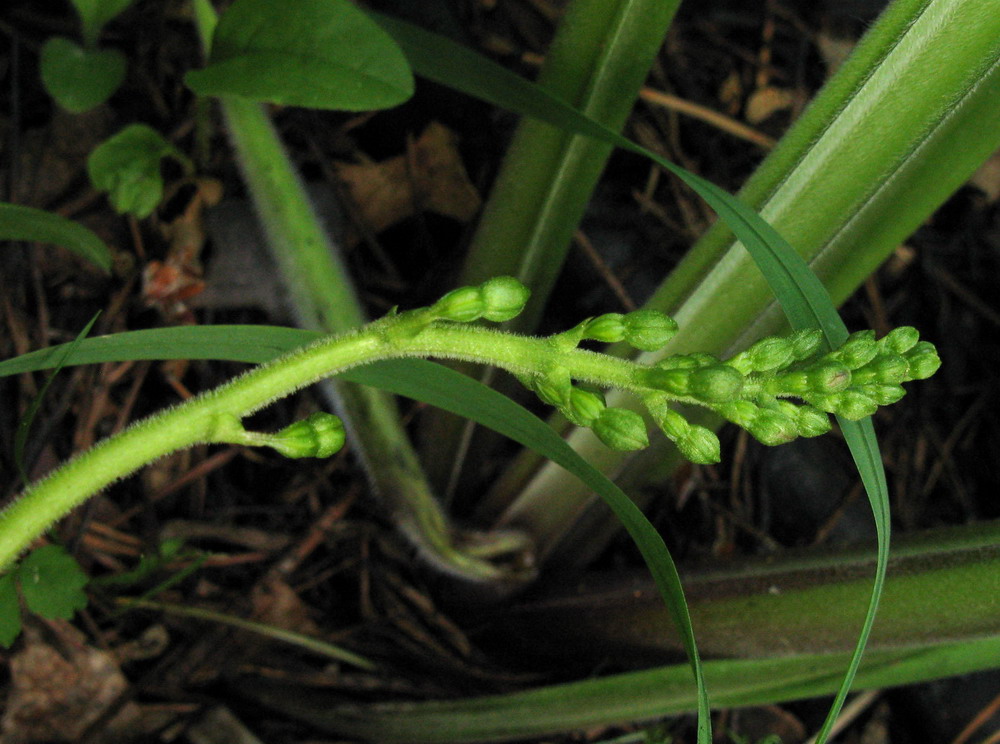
(79, 78)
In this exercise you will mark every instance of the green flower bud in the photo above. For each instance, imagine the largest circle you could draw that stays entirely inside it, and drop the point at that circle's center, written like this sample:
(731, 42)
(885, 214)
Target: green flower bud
(770, 353)
(789, 383)
(504, 298)
(648, 330)
(811, 422)
(883, 394)
(700, 446)
(740, 412)
(773, 427)
(621, 429)
(716, 384)
(462, 305)
(554, 387)
(673, 381)
(679, 361)
(900, 340)
(923, 360)
(889, 368)
(320, 435)
(609, 328)
(584, 407)
(805, 343)
(673, 424)
(853, 404)
(828, 377)
(859, 349)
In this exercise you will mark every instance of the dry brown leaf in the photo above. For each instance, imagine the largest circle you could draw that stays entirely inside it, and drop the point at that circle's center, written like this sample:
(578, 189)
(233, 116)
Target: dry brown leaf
(987, 178)
(430, 176)
(59, 689)
(764, 102)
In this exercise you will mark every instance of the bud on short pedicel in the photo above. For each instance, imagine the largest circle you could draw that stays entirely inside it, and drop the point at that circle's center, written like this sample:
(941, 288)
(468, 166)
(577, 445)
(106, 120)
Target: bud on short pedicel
(320, 435)
(648, 330)
(504, 297)
(621, 429)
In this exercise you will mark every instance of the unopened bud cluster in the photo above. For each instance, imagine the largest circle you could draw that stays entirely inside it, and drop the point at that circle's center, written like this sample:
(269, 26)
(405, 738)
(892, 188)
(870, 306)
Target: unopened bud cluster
(779, 389)
(782, 388)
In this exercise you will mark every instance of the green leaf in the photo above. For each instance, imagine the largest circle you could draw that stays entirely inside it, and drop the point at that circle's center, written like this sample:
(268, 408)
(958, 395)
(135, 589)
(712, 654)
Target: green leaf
(52, 583)
(37, 225)
(94, 14)
(24, 426)
(10, 611)
(127, 166)
(80, 78)
(322, 54)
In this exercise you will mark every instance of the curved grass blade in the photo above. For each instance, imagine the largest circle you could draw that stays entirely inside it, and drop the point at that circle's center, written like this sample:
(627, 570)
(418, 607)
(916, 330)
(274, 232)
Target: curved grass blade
(802, 296)
(24, 426)
(422, 380)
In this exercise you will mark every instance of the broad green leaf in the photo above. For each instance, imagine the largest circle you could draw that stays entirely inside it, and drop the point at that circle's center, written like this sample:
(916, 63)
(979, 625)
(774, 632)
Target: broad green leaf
(52, 583)
(127, 166)
(10, 610)
(80, 78)
(323, 54)
(94, 14)
(37, 225)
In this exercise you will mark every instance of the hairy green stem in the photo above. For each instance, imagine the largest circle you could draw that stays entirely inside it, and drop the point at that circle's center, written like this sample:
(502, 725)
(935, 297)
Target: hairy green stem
(212, 417)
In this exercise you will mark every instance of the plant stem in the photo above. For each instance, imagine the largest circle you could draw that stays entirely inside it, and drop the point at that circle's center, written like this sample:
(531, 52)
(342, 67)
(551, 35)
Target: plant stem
(324, 299)
(212, 417)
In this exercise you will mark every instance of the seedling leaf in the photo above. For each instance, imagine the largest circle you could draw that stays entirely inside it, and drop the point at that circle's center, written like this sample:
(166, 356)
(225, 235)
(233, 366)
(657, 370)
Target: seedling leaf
(127, 166)
(94, 14)
(80, 78)
(323, 54)
(37, 225)
(10, 611)
(52, 583)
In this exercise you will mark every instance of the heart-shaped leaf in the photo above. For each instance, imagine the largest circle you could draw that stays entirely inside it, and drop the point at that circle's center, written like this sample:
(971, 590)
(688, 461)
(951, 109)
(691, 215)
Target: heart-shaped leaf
(322, 54)
(95, 13)
(79, 78)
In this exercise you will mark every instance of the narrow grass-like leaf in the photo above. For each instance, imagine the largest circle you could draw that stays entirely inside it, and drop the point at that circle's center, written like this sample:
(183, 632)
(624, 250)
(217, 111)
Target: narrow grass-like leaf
(24, 426)
(323, 54)
(802, 296)
(424, 381)
(634, 696)
(307, 643)
(37, 225)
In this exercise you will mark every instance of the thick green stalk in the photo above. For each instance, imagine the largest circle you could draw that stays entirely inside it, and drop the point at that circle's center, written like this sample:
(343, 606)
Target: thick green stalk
(942, 585)
(902, 125)
(938, 618)
(598, 61)
(324, 299)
